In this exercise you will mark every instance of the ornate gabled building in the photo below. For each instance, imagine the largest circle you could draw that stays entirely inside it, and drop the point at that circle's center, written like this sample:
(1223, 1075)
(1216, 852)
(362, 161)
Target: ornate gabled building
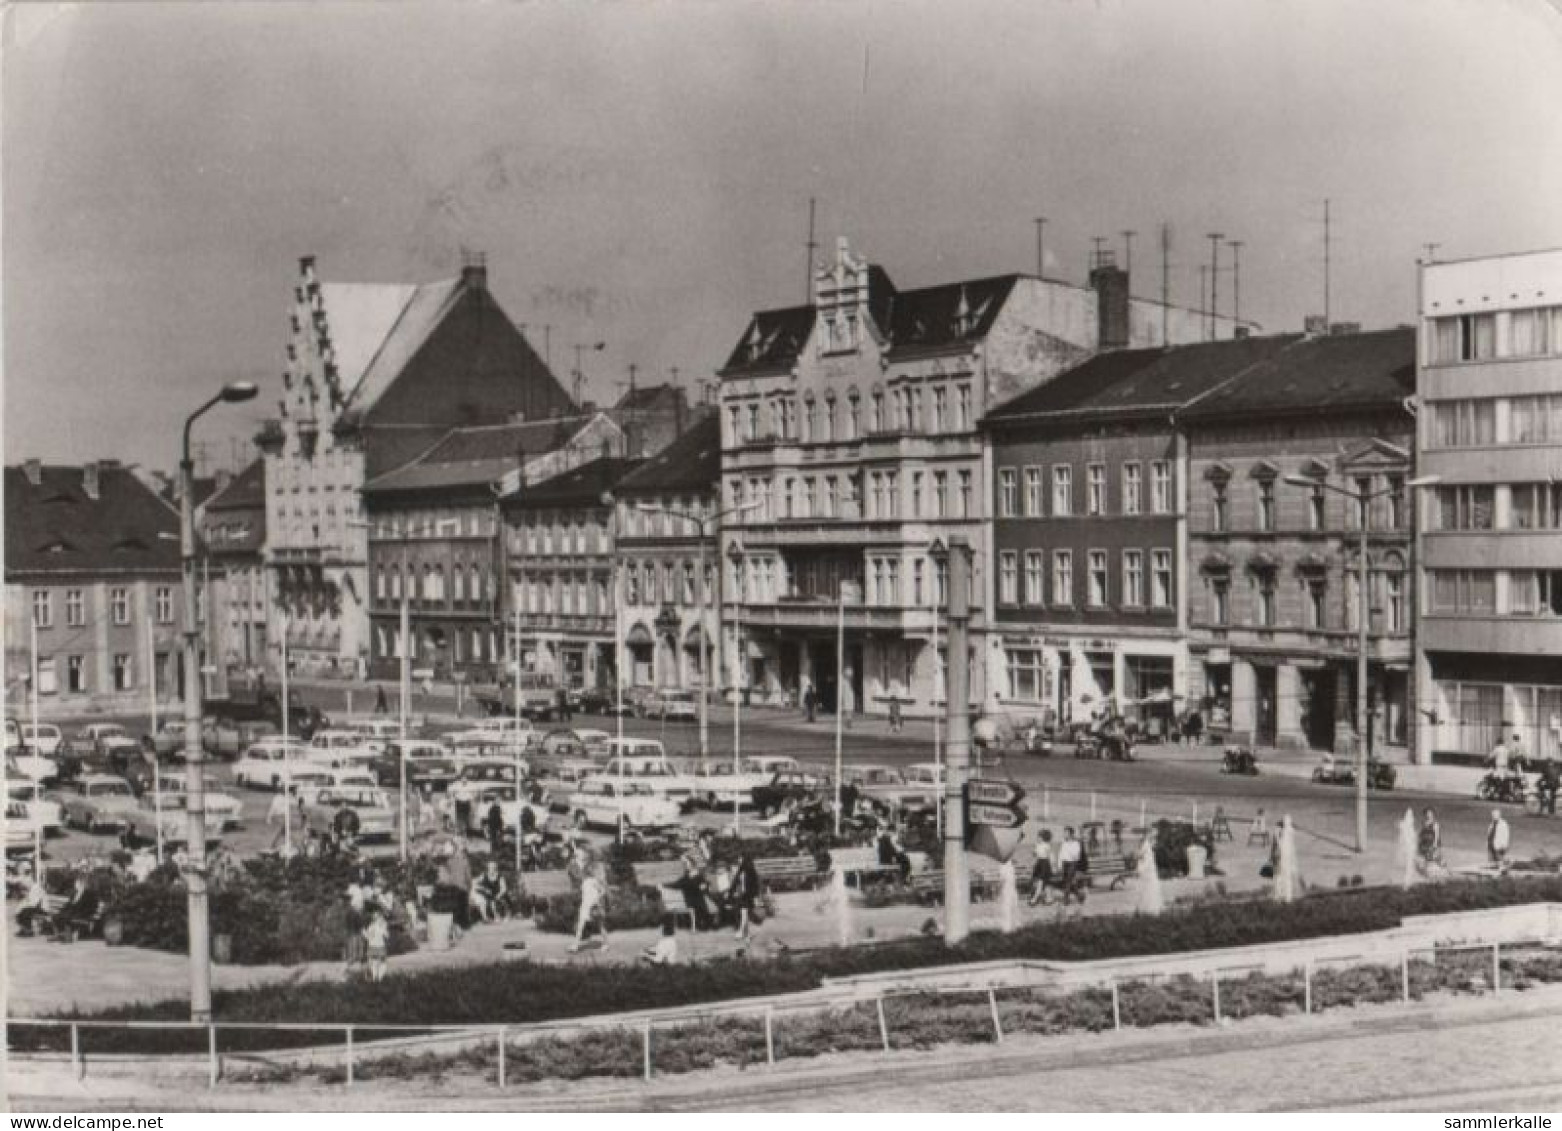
(849, 431)
(376, 374)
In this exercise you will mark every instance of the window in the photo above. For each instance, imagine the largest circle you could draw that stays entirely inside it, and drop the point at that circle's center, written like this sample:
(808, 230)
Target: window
(829, 416)
(1315, 511)
(1027, 674)
(1464, 423)
(810, 419)
(1062, 577)
(1317, 603)
(916, 494)
(1033, 502)
(751, 432)
(75, 612)
(829, 496)
(1394, 502)
(966, 508)
(876, 413)
(940, 494)
(941, 583)
(632, 584)
(1536, 506)
(917, 569)
(1096, 591)
(1160, 487)
(1266, 503)
(43, 608)
(1535, 420)
(788, 509)
(1035, 577)
(119, 604)
(806, 509)
(1264, 582)
(1008, 577)
(1161, 579)
(688, 583)
(1062, 490)
(1008, 492)
(1535, 592)
(75, 674)
(1133, 578)
(891, 494)
(122, 672)
(853, 416)
(1219, 509)
(1133, 488)
(1220, 599)
(1472, 591)
(1394, 594)
(963, 408)
(1529, 333)
(1470, 506)
(1095, 488)
(940, 407)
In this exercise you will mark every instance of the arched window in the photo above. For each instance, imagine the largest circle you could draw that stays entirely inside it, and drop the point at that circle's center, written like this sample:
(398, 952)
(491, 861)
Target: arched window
(458, 580)
(395, 583)
(379, 583)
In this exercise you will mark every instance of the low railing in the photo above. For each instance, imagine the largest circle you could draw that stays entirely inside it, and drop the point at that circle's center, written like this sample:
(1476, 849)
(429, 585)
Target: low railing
(765, 1012)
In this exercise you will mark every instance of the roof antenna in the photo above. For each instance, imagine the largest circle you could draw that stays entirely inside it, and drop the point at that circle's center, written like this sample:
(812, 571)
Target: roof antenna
(1214, 283)
(1165, 281)
(1041, 247)
(812, 246)
(1128, 251)
(1236, 281)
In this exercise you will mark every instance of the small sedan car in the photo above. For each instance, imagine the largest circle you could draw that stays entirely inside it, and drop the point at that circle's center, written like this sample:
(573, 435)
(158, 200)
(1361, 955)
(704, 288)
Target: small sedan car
(509, 808)
(428, 764)
(673, 706)
(97, 802)
(46, 738)
(789, 785)
(376, 819)
(268, 763)
(32, 810)
(602, 803)
(169, 812)
(224, 807)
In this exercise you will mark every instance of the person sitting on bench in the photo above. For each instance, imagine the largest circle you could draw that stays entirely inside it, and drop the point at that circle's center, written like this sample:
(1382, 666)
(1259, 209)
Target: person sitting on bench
(891, 854)
(35, 906)
(78, 913)
(693, 883)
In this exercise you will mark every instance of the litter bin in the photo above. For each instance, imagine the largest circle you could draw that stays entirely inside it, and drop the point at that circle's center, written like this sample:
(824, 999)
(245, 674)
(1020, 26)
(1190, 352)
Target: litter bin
(439, 924)
(1197, 857)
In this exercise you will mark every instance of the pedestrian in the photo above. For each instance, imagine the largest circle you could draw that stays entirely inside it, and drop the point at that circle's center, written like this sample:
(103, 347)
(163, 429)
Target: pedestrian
(665, 950)
(810, 701)
(895, 723)
(1498, 837)
(744, 893)
(1498, 759)
(892, 855)
(593, 893)
(1044, 869)
(381, 704)
(1549, 785)
(34, 907)
(494, 823)
(1071, 862)
(356, 948)
(1429, 840)
(376, 939)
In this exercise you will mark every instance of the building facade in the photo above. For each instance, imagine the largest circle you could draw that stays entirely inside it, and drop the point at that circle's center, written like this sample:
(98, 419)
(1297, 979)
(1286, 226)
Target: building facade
(435, 541)
(849, 428)
(1489, 645)
(232, 525)
(375, 375)
(91, 559)
(668, 547)
(562, 572)
(1273, 566)
(1090, 532)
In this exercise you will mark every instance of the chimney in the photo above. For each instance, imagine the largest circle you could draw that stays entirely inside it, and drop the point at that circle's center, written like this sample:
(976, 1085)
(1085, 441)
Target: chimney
(90, 481)
(1338, 328)
(223, 478)
(306, 268)
(33, 469)
(1315, 326)
(1110, 282)
(474, 271)
(1239, 331)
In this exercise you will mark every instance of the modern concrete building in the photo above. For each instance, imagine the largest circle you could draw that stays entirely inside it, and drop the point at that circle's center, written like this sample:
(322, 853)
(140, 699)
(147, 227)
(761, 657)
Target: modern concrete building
(851, 425)
(1489, 641)
(376, 374)
(1273, 566)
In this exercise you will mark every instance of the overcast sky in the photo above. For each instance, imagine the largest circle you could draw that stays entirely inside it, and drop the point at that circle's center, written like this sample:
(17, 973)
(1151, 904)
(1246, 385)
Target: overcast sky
(639, 173)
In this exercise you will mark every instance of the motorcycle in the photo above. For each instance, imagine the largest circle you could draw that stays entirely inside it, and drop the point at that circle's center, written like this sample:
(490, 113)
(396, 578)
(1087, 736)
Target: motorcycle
(1507, 788)
(1118, 748)
(1380, 775)
(1087, 746)
(1239, 760)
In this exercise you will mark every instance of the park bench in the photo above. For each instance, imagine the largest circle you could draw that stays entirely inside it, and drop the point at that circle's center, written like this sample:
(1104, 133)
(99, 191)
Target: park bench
(69, 930)
(802, 870)
(863, 863)
(1114, 869)
(985, 874)
(552, 883)
(658, 876)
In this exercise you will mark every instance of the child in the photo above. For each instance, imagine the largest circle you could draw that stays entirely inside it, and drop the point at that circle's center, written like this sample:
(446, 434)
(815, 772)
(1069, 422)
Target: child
(377, 936)
(665, 950)
(592, 892)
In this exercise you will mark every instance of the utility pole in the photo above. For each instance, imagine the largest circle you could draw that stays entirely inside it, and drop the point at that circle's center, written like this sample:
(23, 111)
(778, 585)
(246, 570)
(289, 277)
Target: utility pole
(1203, 299)
(1041, 247)
(1128, 235)
(406, 690)
(1165, 282)
(1214, 283)
(808, 263)
(1236, 280)
(1327, 263)
(957, 883)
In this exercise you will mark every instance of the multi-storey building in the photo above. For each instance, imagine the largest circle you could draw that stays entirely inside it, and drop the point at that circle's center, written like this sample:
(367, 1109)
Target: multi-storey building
(232, 523)
(562, 573)
(1274, 567)
(668, 549)
(1489, 642)
(1090, 531)
(849, 425)
(435, 540)
(91, 559)
(375, 375)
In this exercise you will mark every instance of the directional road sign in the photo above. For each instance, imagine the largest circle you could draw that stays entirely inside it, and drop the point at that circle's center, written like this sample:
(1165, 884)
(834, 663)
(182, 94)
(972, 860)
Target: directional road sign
(989, 792)
(996, 816)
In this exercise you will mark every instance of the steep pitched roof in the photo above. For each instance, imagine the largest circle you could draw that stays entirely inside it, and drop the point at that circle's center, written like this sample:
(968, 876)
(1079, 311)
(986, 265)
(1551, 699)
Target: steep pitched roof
(1142, 380)
(376, 328)
(1331, 373)
(648, 398)
(580, 486)
(479, 455)
(246, 489)
(692, 462)
(57, 528)
(773, 340)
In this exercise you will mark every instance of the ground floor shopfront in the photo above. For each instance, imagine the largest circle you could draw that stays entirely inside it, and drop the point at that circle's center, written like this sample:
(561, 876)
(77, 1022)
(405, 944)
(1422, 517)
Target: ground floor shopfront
(1471, 701)
(1065, 677)
(1298, 701)
(667, 650)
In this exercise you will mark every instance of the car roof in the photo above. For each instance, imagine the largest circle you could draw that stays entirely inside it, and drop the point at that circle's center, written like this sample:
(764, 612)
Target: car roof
(99, 779)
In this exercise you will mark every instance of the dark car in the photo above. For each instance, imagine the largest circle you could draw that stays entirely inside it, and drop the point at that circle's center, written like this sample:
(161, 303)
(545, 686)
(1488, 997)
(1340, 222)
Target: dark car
(788, 785)
(428, 764)
(602, 701)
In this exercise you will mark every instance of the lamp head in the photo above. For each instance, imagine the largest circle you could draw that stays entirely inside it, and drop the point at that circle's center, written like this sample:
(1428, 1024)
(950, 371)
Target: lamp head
(235, 392)
(1301, 480)
(938, 551)
(1424, 481)
(734, 553)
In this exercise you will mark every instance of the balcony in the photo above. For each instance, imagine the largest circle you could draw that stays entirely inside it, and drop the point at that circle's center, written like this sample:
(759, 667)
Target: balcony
(822, 614)
(1520, 635)
(586, 623)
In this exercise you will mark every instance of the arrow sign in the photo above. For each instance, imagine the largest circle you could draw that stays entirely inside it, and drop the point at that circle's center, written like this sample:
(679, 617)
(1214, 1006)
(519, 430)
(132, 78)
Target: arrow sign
(986, 792)
(996, 816)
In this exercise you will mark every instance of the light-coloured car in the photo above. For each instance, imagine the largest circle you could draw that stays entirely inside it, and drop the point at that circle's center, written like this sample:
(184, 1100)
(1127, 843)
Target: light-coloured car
(602, 803)
(427, 764)
(38, 811)
(673, 706)
(308, 787)
(169, 811)
(720, 783)
(97, 801)
(376, 817)
(474, 777)
(46, 738)
(656, 773)
(340, 748)
(634, 748)
(24, 764)
(510, 807)
(561, 777)
(376, 731)
(888, 786)
(169, 739)
(481, 745)
(268, 763)
(226, 808)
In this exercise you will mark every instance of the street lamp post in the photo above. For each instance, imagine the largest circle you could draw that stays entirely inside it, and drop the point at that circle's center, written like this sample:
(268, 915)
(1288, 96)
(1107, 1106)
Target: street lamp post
(1363, 621)
(194, 756)
(957, 757)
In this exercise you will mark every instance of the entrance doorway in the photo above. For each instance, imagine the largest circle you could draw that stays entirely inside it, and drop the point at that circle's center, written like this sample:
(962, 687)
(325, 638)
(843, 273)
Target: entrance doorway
(821, 654)
(854, 667)
(1318, 687)
(790, 661)
(1264, 692)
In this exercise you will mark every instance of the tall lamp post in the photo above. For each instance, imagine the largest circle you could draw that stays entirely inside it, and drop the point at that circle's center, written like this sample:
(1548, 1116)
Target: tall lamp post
(957, 757)
(1363, 621)
(735, 555)
(194, 757)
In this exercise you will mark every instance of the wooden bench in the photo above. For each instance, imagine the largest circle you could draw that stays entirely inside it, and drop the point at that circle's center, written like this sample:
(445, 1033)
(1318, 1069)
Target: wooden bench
(659, 875)
(552, 883)
(861, 863)
(984, 873)
(1114, 868)
(777, 870)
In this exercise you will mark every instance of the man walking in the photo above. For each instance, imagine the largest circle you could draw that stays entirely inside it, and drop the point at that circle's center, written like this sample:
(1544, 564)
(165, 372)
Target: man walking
(1071, 862)
(1498, 837)
(809, 701)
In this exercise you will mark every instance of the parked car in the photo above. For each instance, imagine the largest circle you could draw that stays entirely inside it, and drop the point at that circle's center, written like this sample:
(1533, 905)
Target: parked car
(171, 812)
(376, 731)
(479, 746)
(605, 803)
(45, 738)
(656, 773)
(888, 786)
(428, 764)
(269, 763)
(23, 763)
(333, 747)
(789, 785)
(602, 701)
(376, 817)
(308, 787)
(561, 777)
(97, 801)
(474, 777)
(672, 706)
(37, 811)
(510, 806)
(168, 740)
(224, 807)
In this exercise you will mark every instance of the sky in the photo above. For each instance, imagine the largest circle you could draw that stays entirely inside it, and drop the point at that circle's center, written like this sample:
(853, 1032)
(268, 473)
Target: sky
(639, 173)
